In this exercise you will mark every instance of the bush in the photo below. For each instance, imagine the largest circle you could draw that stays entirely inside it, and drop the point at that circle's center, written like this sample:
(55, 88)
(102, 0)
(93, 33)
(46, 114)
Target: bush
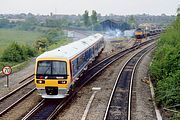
(41, 44)
(165, 68)
(29, 51)
(17, 53)
(13, 53)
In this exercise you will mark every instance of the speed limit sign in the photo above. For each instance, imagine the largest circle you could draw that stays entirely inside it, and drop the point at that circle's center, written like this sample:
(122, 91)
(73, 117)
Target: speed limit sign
(7, 70)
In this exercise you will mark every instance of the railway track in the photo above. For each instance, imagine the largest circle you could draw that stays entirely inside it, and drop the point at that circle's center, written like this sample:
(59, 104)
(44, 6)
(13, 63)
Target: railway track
(120, 99)
(47, 109)
(11, 99)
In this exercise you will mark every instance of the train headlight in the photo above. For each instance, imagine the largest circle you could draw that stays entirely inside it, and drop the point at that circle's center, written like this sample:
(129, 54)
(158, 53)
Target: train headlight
(40, 81)
(62, 82)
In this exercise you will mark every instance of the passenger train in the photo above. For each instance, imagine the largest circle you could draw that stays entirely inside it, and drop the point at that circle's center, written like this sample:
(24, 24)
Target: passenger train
(57, 71)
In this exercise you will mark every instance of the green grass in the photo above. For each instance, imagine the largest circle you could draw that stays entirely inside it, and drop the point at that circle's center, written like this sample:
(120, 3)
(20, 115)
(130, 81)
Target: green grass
(7, 36)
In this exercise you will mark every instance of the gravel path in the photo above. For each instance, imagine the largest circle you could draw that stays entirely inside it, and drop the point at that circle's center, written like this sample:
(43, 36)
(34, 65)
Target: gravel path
(144, 109)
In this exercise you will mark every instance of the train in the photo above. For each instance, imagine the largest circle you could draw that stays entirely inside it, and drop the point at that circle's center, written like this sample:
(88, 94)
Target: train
(141, 33)
(58, 70)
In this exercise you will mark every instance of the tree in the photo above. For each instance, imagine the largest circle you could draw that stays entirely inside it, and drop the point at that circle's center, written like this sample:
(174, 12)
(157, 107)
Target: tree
(86, 18)
(125, 26)
(132, 21)
(4, 23)
(178, 11)
(94, 17)
(41, 44)
(51, 35)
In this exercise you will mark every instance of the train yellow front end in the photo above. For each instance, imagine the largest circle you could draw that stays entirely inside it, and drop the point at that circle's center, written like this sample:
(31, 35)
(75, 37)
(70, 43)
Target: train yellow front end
(52, 77)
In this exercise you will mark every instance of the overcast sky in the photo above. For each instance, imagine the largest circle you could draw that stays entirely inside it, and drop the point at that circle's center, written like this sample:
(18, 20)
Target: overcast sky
(105, 7)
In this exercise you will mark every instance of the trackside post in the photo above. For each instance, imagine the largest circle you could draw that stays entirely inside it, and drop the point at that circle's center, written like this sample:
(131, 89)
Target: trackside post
(7, 71)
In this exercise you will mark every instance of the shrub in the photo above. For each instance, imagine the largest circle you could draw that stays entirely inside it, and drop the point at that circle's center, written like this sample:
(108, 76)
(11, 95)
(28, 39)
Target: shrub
(165, 68)
(41, 44)
(13, 53)
(17, 53)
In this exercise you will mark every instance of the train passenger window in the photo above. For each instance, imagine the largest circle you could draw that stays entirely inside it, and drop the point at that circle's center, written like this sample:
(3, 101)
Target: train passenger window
(74, 66)
(87, 55)
(92, 50)
(96, 47)
(81, 61)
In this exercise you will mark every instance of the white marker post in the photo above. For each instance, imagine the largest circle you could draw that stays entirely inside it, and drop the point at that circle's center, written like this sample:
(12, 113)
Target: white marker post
(7, 71)
(95, 89)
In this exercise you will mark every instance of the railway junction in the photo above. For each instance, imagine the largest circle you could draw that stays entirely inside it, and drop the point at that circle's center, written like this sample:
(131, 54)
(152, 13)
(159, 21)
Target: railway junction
(114, 87)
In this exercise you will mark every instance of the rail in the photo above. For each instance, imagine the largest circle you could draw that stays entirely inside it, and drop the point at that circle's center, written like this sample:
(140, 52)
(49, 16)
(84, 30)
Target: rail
(119, 102)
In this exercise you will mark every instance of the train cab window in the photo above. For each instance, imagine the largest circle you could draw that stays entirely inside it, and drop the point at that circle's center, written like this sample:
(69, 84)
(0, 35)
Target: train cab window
(52, 68)
(59, 67)
(44, 67)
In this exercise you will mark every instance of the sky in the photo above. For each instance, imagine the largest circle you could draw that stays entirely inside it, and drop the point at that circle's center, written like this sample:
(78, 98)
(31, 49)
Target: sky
(104, 7)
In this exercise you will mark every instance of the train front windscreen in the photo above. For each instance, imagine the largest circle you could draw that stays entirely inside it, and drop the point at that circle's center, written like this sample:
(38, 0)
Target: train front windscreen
(51, 69)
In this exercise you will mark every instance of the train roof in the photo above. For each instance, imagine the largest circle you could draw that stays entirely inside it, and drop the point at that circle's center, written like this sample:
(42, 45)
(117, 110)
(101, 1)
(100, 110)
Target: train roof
(72, 49)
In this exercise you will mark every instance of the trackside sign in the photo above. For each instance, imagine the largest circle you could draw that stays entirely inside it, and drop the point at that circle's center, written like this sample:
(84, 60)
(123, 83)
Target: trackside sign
(7, 70)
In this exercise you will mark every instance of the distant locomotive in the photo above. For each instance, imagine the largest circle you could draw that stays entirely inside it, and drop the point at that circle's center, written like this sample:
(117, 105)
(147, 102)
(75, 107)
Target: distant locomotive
(139, 33)
(58, 70)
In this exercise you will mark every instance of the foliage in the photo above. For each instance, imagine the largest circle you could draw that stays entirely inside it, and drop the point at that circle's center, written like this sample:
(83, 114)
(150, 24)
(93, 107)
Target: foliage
(17, 53)
(165, 68)
(132, 21)
(94, 17)
(29, 51)
(29, 24)
(19, 36)
(86, 18)
(41, 44)
(57, 23)
(4, 23)
(124, 26)
(51, 35)
(178, 11)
